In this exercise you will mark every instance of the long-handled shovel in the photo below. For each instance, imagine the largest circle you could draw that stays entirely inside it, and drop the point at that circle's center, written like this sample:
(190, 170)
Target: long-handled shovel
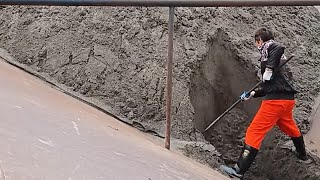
(239, 100)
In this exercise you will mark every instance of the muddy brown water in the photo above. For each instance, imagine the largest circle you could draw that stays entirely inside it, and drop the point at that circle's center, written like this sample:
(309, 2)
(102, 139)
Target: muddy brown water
(46, 134)
(313, 136)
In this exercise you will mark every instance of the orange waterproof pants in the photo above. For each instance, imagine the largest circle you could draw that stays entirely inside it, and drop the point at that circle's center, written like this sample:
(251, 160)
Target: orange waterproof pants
(272, 112)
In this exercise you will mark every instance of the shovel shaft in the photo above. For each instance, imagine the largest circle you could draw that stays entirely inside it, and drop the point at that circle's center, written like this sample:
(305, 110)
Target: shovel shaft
(223, 114)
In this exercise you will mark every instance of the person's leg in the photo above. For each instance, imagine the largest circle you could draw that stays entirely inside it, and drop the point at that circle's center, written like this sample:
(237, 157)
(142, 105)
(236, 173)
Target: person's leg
(245, 160)
(287, 124)
(265, 119)
(300, 147)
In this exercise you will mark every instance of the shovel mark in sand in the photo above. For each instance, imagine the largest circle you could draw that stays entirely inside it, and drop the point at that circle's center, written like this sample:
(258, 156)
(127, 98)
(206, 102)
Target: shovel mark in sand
(75, 126)
(32, 101)
(49, 143)
(18, 107)
(119, 154)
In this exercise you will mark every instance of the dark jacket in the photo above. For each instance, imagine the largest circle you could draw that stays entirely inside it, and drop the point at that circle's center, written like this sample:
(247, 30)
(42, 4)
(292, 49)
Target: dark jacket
(279, 86)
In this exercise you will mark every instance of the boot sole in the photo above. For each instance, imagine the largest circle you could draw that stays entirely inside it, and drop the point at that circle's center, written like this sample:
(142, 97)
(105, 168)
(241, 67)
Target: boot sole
(232, 176)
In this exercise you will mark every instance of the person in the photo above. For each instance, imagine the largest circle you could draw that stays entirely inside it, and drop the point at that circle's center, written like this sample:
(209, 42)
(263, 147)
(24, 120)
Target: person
(276, 108)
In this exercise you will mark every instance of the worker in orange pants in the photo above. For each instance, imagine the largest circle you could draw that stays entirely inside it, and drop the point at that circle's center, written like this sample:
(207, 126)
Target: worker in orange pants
(276, 108)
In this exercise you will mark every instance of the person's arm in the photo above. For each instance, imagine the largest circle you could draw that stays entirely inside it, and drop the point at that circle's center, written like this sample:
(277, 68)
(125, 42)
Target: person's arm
(275, 52)
(258, 93)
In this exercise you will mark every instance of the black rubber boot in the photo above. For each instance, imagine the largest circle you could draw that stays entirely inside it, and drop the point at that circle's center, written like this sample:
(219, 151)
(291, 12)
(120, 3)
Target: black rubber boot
(300, 147)
(244, 162)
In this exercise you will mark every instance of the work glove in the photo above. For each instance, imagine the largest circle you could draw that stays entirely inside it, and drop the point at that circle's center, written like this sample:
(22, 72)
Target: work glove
(267, 75)
(246, 96)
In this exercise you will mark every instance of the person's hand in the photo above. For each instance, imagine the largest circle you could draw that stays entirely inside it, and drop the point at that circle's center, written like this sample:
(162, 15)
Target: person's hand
(267, 75)
(246, 96)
